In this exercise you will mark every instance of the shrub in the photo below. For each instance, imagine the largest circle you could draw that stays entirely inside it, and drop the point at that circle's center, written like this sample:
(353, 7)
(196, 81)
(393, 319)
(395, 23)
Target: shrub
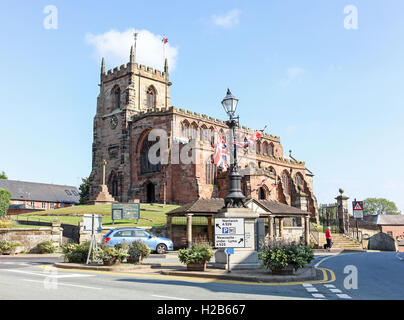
(277, 256)
(195, 254)
(6, 224)
(111, 254)
(76, 253)
(46, 247)
(7, 247)
(139, 249)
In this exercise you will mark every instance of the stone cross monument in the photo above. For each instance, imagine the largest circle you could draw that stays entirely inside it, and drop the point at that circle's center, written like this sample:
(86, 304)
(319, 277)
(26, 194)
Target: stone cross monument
(103, 197)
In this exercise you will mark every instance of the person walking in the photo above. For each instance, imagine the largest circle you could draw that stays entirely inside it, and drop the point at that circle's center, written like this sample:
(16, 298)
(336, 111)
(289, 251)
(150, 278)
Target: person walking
(328, 238)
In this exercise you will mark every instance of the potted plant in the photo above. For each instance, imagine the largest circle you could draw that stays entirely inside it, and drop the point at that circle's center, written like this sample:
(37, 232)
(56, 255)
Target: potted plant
(196, 257)
(111, 256)
(285, 259)
(75, 253)
(7, 247)
(137, 252)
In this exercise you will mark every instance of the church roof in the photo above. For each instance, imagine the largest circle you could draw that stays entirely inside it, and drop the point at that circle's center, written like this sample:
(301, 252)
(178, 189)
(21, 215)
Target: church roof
(276, 207)
(32, 191)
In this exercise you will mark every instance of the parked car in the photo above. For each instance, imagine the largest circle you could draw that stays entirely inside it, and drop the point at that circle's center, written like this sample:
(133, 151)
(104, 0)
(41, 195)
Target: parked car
(128, 235)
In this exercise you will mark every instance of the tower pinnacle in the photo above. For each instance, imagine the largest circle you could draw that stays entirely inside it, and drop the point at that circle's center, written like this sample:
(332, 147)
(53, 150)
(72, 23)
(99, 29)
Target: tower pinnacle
(132, 55)
(102, 66)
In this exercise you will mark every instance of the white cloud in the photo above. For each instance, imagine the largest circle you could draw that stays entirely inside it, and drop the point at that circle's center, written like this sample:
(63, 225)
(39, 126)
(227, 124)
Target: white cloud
(228, 20)
(114, 46)
(291, 75)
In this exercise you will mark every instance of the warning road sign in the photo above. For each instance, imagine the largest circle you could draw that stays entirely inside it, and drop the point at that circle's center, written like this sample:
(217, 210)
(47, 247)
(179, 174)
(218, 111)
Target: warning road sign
(357, 209)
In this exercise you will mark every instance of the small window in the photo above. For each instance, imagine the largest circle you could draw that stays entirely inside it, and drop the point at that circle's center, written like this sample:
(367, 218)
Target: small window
(43, 205)
(124, 234)
(75, 193)
(68, 192)
(52, 206)
(141, 234)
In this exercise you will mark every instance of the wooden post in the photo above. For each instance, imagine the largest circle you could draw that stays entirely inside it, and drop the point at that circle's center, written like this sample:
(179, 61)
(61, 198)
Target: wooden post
(307, 230)
(189, 230)
(170, 227)
(210, 230)
(270, 228)
(280, 227)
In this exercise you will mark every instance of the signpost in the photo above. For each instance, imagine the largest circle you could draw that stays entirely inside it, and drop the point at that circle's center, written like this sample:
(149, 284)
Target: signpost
(228, 252)
(92, 223)
(125, 211)
(357, 213)
(229, 233)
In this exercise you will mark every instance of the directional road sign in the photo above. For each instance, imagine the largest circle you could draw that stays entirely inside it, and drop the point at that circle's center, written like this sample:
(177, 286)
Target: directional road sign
(229, 233)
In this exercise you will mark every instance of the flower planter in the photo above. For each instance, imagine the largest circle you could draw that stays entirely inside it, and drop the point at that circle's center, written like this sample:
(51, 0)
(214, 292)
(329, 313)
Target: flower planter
(288, 270)
(196, 266)
(135, 259)
(111, 262)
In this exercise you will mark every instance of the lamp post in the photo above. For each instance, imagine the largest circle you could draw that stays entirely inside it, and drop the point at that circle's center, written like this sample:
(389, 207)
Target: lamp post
(234, 197)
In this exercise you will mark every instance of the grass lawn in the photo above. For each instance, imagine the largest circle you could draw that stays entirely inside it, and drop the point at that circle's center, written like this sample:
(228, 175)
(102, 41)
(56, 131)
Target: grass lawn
(154, 218)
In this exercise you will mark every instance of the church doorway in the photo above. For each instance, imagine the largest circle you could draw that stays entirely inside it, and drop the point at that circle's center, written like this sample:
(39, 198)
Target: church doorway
(150, 193)
(261, 194)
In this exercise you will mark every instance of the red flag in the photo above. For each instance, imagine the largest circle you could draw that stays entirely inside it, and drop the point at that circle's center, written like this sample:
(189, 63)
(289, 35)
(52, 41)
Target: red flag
(165, 40)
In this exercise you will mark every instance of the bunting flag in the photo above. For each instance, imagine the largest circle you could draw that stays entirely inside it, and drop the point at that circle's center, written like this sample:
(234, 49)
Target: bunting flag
(219, 157)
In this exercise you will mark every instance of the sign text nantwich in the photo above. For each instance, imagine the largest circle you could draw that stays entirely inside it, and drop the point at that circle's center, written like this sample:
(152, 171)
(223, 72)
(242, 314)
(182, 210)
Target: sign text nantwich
(357, 209)
(229, 233)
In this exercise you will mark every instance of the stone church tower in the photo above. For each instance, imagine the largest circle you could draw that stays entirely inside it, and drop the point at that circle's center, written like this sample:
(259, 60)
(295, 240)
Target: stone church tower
(124, 92)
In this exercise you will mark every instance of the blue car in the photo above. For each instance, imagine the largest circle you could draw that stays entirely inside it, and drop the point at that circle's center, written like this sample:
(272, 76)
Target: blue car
(128, 235)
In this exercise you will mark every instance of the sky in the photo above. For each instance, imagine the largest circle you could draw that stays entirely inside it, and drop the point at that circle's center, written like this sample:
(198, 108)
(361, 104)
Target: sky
(325, 76)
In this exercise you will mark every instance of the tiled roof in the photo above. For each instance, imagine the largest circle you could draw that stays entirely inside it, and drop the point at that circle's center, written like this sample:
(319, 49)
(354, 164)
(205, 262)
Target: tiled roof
(32, 191)
(390, 219)
(202, 206)
(276, 207)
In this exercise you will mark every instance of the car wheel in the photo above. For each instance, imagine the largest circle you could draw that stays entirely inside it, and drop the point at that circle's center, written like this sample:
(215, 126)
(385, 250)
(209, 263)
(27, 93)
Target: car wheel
(161, 248)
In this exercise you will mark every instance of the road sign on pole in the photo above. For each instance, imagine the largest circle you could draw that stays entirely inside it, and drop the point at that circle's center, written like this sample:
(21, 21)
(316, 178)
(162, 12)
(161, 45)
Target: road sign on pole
(229, 233)
(357, 209)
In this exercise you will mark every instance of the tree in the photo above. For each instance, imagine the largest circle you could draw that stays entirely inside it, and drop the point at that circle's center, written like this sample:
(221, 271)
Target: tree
(372, 206)
(5, 198)
(3, 175)
(84, 191)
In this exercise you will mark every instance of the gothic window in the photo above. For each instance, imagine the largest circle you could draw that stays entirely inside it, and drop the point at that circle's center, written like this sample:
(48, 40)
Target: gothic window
(271, 149)
(193, 131)
(211, 172)
(258, 147)
(265, 148)
(151, 97)
(285, 182)
(298, 180)
(145, 165)
(204, 133)
(117, 97)
(212, 136)
(185, 129)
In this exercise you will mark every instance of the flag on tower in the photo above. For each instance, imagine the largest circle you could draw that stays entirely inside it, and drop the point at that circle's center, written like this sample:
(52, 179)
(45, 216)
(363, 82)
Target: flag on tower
(164, 40)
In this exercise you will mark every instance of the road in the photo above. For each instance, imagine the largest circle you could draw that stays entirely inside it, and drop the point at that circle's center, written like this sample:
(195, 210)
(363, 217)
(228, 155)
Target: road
(379, 277)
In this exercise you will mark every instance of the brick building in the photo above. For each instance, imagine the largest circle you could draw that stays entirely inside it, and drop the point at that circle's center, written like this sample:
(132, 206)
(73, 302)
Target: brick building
(32, 196)
(134, 100)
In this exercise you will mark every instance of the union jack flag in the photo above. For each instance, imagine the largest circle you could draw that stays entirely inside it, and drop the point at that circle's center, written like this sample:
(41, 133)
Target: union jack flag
(219, 157)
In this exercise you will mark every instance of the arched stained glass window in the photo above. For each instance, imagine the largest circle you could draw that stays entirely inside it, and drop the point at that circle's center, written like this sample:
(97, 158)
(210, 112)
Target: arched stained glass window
(145, 165)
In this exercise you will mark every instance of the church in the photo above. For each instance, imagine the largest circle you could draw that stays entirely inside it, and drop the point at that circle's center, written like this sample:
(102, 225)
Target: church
(133, 101)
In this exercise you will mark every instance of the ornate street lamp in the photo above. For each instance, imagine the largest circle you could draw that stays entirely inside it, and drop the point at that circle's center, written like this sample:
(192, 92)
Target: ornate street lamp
(234, 197)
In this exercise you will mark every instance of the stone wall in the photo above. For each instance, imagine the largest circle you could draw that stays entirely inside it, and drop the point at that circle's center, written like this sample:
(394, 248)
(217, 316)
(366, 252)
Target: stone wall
(383, 242)
(29, 238)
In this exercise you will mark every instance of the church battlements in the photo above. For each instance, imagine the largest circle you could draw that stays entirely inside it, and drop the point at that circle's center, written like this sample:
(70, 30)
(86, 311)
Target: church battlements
(140, 70)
